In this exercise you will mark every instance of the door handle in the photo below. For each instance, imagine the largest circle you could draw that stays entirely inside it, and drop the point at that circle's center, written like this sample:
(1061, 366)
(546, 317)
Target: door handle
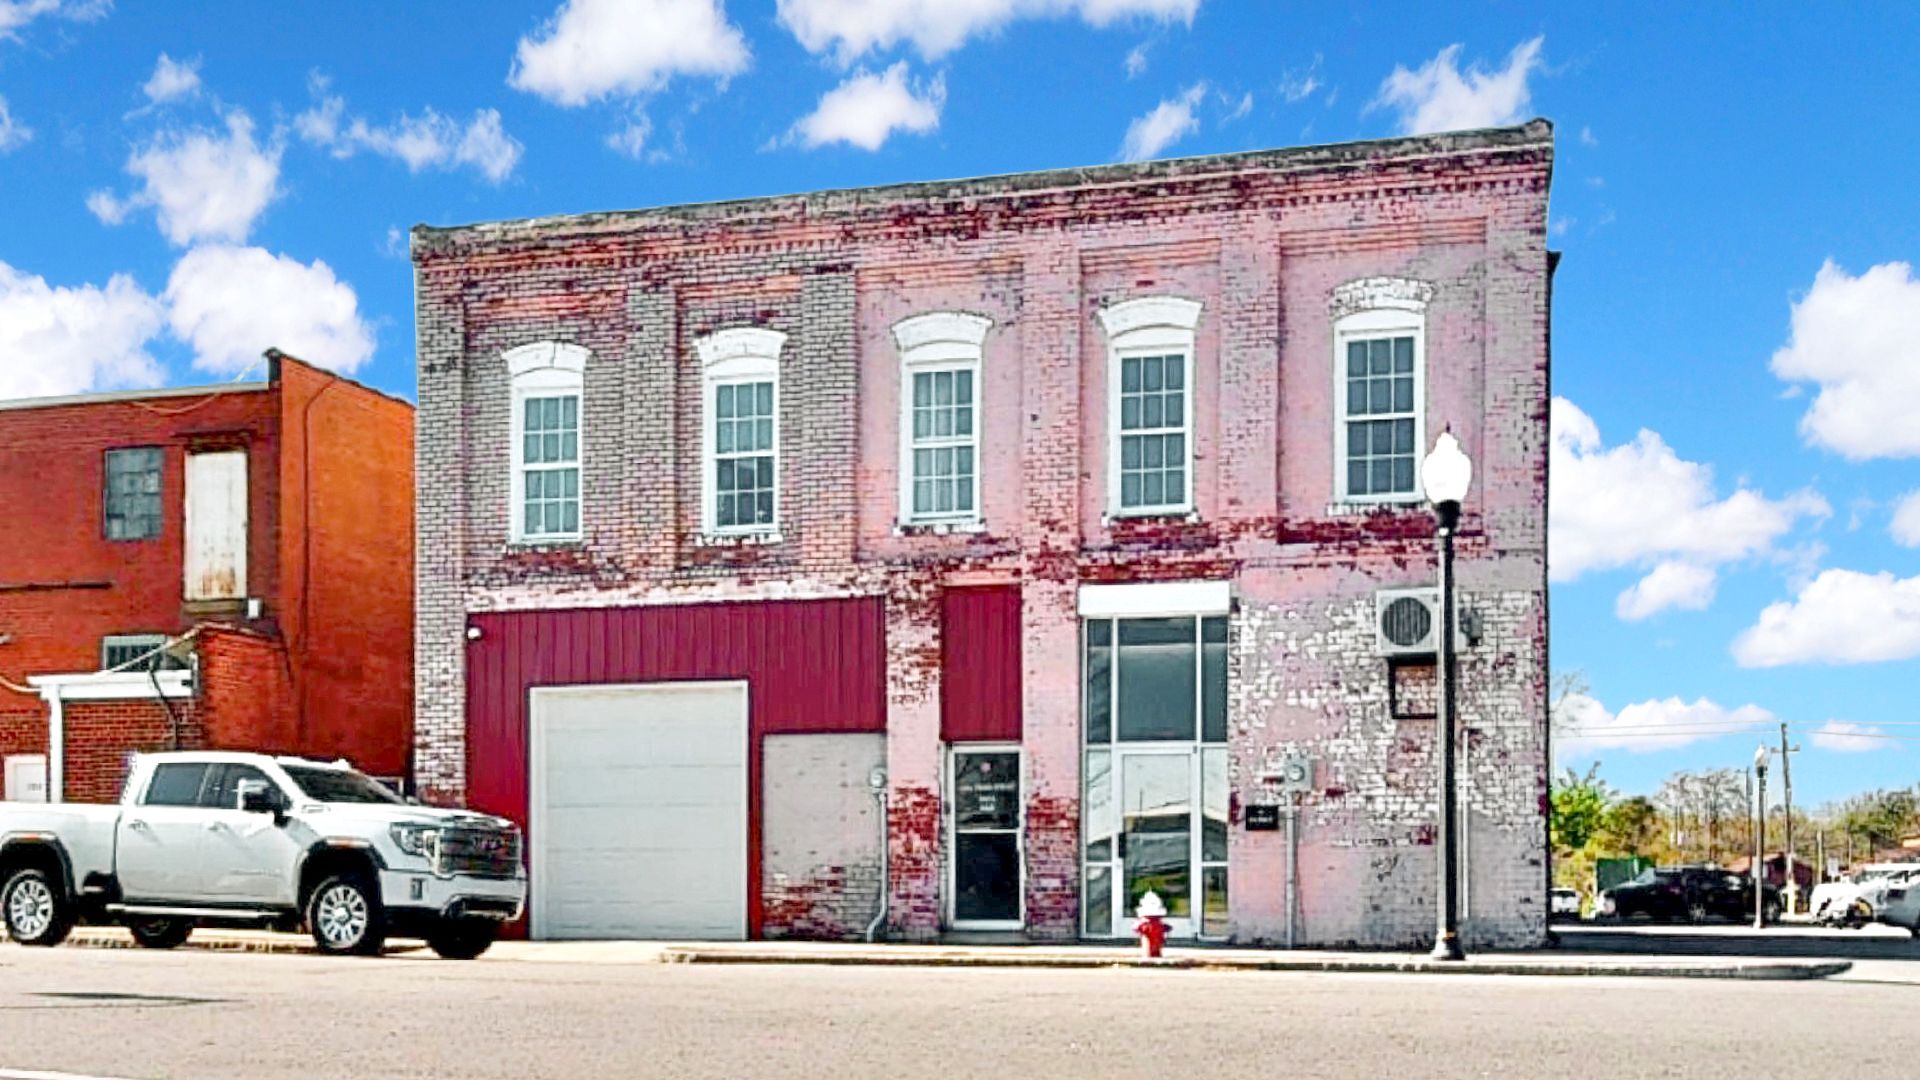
(216, 826)
(138, 824)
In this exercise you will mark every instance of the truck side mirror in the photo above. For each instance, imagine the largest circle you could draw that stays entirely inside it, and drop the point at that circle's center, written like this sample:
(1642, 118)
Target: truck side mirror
(258, 798)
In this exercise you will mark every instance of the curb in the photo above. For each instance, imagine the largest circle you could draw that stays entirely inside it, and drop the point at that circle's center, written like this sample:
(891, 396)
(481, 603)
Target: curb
(212, 942)
(1414, 966)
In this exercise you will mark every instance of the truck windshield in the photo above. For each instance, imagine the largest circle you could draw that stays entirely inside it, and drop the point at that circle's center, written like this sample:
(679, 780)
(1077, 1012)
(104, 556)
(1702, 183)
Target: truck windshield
(339, 786)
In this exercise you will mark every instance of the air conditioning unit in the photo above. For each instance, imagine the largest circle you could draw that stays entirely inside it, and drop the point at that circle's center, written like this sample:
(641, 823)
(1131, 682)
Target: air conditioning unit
(1406, 622)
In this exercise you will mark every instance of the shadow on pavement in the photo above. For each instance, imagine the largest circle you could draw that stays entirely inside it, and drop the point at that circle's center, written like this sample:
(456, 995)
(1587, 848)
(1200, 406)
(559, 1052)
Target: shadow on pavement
(1736, 941)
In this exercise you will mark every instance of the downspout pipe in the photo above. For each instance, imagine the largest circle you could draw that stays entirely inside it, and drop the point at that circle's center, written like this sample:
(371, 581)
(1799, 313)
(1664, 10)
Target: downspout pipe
(879, 782)
(56, 746)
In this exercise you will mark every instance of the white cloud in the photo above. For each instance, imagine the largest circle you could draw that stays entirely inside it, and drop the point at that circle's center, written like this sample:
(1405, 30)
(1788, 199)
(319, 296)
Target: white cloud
(1587, 137)
(1298, 86)
(852, 28)
(1657, 724)
(16, 14)
(1905, 526)
(13, 133)
(172, 80)
(430, 140)
(1240, 109)
(1639, 504)
(1438, 96)
(1669, 585)
(1858, 338)
(1137, 61)
(1847, 737)
(70, 340)
(631, 138)
(1840, 617)
(232, 303)
(592, 49)
(1167, 123)
(867, 108)
(204, 186)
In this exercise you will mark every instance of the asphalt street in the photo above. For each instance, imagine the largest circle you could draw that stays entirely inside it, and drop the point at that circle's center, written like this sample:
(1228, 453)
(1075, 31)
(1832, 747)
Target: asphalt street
(145, 1016)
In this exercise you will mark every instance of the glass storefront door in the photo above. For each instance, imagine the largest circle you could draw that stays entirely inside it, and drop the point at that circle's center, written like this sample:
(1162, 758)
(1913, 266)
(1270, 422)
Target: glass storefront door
(987, 882)
(1154, 809)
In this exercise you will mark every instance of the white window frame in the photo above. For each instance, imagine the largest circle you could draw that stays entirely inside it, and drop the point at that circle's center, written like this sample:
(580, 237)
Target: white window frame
(1367, 310)
(939, 341)
(538, 370)
(1149, 326)
(741, 354)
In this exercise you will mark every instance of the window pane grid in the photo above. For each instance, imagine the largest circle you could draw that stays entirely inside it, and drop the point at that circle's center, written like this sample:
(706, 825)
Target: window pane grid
(942, 456)
(744, 454)
(133, 494)
(1380, 410)
(1153, 431)
(550, 466)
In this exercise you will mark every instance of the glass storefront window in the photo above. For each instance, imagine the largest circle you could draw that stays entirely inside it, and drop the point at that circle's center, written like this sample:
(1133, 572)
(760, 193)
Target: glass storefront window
(1213, 679)
(1099, 669)
(1213, 911)
(1097, 810)
(1157, 675)
(1213, 805)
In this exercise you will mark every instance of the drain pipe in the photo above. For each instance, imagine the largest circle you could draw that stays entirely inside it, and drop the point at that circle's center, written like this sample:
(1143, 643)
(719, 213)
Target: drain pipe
(877, 780)
(1293, 865)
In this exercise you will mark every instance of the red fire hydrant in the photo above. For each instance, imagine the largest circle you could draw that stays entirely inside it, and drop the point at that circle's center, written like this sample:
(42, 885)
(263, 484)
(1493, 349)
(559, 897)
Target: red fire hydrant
(1152, 927)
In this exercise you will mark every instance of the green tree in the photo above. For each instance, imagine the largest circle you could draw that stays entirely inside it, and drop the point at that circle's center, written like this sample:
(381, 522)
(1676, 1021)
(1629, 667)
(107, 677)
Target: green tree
(1579, 808)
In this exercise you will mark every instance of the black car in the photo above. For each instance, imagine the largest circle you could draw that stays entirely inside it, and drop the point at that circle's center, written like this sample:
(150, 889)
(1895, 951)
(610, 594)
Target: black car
(1689, 893)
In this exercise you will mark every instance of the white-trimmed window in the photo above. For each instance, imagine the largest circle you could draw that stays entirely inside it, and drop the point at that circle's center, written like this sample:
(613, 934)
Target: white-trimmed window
(940, 416)
(548, 440)
(117, 650)
(740, 430)
(1150, 405)
(1380, 386)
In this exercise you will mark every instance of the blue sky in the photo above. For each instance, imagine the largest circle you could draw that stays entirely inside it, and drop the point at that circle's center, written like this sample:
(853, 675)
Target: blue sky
(1737, 333)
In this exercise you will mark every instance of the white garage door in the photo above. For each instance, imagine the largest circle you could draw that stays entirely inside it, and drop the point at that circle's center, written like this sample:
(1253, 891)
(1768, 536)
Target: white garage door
(639, 811)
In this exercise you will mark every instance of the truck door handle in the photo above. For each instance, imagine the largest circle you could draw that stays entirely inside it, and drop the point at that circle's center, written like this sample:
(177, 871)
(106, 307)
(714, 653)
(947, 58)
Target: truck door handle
(137, 824)
(216, 826)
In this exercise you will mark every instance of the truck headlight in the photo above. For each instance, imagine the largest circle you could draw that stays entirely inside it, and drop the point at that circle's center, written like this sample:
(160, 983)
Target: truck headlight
(416, 839)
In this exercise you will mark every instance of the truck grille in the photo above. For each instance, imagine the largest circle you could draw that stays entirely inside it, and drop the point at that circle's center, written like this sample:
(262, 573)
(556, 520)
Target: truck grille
(478, 853)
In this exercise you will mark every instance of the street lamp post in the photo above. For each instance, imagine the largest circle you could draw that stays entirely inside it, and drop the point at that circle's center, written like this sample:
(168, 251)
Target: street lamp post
(1445, 474)
(1760, 838)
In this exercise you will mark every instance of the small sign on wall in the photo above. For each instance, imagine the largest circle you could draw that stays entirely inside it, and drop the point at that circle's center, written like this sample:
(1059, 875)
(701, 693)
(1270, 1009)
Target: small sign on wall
(1263, 818)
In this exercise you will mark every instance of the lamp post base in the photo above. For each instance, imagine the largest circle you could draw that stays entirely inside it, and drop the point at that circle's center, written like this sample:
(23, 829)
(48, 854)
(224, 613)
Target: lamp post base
(1447, 947)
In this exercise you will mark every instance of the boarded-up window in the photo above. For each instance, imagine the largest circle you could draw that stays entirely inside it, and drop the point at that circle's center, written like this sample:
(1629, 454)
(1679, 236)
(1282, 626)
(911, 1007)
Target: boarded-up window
(133, 493)
(216, 555)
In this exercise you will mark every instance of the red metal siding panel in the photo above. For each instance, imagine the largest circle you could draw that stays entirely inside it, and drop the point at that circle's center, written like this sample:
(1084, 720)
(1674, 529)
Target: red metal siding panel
(810, 666)
(980, 664)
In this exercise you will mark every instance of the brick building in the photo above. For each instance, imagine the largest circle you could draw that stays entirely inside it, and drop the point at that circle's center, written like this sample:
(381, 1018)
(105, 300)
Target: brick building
(1061, 510)
(274, 519)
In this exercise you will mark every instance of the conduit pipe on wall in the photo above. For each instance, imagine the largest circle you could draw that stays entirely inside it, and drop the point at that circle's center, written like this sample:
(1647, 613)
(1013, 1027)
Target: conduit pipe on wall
(56, 747)
(878, 781)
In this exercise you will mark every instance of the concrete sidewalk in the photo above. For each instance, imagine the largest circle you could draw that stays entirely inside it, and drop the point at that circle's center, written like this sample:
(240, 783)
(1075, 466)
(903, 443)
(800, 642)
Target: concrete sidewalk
(1039, 956)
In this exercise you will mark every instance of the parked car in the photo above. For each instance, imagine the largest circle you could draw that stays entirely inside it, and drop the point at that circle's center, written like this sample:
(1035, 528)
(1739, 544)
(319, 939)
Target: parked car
(234, 839)
(1688, 893)
(1563, 903)
(1900, 904)
(1862, 896)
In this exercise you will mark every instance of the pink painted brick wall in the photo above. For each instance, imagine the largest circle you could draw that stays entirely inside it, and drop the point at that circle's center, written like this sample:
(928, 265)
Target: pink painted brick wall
(1261, 241)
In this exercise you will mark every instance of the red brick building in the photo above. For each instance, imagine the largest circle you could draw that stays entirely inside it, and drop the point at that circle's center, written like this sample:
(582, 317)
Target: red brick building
(983, 554)
(276, 517)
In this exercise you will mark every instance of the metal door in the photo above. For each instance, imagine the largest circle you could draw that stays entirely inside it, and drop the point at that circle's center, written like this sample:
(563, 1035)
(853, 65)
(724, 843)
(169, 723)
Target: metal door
(216, 513)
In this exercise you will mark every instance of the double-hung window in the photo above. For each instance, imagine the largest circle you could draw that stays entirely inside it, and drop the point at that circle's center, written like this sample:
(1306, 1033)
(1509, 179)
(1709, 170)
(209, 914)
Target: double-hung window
(740, 391)
(548, 441)
(940, 355)
(133, 493)
(1379, 387)
(1150, 345)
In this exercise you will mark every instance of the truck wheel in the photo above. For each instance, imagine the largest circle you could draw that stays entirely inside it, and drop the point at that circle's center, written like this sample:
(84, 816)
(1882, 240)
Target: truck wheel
(161, 933)
(345, 917)
(463, 939)
(35, 909)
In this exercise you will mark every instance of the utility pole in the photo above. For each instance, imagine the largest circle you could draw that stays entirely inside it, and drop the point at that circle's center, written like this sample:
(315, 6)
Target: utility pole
(1786, 784)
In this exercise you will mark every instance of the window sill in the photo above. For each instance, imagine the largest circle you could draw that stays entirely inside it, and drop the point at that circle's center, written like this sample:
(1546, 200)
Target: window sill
(546, 543)
(738, 540)
(938, 528)
(1378, 506)
(1123, 518)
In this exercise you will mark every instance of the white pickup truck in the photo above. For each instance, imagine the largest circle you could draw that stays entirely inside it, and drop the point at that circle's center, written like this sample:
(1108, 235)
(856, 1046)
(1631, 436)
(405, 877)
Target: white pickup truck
(233, 839)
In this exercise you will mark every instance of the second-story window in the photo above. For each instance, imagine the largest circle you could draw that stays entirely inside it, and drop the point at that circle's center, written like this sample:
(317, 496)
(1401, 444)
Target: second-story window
(940, 416)
(1379, 345)
(1150, 344)
(133, 493)
(740, 384)
(548, 441)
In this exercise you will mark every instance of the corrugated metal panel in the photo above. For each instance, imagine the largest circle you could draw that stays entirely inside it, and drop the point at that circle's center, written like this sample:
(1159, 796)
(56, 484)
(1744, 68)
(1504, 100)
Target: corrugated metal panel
(810, 666)
(980, 664)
